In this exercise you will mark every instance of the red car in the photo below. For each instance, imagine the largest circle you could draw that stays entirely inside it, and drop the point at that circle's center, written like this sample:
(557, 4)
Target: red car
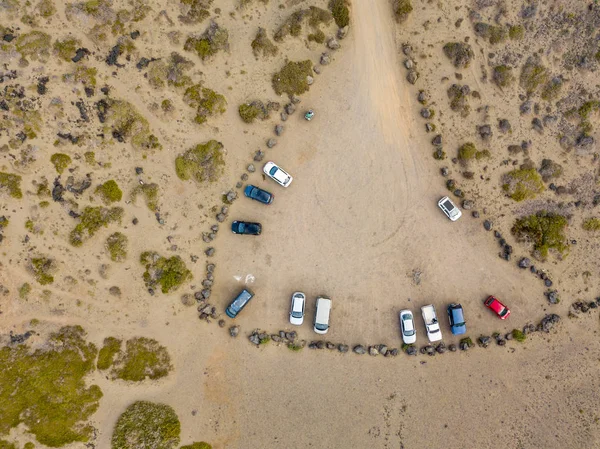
(501, 310)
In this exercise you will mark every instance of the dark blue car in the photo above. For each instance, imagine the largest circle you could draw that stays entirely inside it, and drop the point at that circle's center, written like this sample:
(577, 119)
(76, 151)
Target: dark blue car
(457, 319)
(245, 227)
(239, 303)
(259, 195)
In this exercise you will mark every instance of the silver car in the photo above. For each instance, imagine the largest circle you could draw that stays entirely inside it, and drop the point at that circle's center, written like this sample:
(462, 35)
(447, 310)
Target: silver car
(297, 308)
(407, 327)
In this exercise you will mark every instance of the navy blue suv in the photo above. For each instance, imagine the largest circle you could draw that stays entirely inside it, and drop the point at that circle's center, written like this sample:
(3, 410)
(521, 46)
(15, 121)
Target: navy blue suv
(260, 195)
(457, 319)
(239, 303)
(245, 227)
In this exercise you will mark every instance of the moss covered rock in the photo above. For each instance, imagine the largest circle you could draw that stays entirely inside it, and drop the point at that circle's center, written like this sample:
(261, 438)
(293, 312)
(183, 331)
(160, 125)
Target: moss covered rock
(60, 161)
(168, 273)
(146, 425)
(11, 184)
(523, 184)
(204, 162)
(292, 78)
(37, 391)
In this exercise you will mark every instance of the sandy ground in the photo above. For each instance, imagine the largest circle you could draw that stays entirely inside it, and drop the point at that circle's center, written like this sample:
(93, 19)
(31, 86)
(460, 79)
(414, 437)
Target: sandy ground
(358, 220)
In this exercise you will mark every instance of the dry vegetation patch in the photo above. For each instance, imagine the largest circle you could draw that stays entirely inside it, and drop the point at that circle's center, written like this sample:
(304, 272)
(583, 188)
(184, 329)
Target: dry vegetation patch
(168, 273)
(207, 102)
(145, 425)
(92, 220)
(204, 162)
(523, 184)
(545, 230)
(461, 54)
(291, 79)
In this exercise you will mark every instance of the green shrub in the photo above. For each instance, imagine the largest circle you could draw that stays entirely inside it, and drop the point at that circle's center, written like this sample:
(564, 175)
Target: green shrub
(82, 74)
(143, 358)
(401, 8)
(93, 219)
(295, 347)
(552, 89)
(201, 445)
(24, 290)
(146, 425)
(90, 157)
(3, 222)
(204, 162)
(516, 32)
(519, 335)
(459, 99)
(127, 123)
(206, 102)
(7, 445)
(341, 13)
(106, 356)
(43, 269)
(467, 341)
(116, 245)
(213, 40)
(459, 53)
(293, 24)
(587, 108)
(197, 11)
(45, 389)
(251, 111)
(468, 151)
(291, 79)
(591, 224)
(533, 74)
(545, 230)
(318, 37)
(149, 192)
(169, 273)
(109, 192)
(66, 48)
(498, 34)
(35, 44)
(502, 76)
(262, 44)
(11, 184)
(523, 184)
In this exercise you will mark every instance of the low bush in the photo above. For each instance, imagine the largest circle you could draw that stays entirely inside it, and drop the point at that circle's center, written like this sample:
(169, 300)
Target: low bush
(127, 123)
(66, 48)
(459, 99)
(516, 32)
(92, 220)
(519, 335)
(168, 273)
(43, 269)
(11, 184)
(291, 79)
(502, 76)
(591, 224)
(262, 44)
(460, 53)
(45, 389)
(202, 163)
(143, 358)
(545, 230)
(110, 348)
(552, 89)
(150, 193)
(402, 9)
(116, 245)
(109, 192)
(341, 13)
(207, 102)
(145, 425)
(209, 43)
(533, 75)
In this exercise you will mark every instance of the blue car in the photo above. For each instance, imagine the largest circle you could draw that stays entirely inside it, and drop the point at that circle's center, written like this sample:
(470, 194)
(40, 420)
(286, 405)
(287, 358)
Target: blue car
(239, 303)
(245, 227)
(260, 195)
(457, 319)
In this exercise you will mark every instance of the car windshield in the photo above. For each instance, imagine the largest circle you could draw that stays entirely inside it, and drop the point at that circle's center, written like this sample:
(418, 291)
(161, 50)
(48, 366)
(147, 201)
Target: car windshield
(297, 314)
(448, 205)
(503, 311)
(273, 171)
(321, 327)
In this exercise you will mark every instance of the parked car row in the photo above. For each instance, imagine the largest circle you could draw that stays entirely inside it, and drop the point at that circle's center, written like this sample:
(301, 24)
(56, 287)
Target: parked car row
(297, 308)
(277, 174)
(456, 319)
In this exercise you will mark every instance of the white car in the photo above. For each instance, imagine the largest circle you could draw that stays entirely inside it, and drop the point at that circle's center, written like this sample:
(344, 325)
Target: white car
(451, 211)
(432, 326)
(407, 327)
(321, 323)
(297, 308)
(277, 174)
